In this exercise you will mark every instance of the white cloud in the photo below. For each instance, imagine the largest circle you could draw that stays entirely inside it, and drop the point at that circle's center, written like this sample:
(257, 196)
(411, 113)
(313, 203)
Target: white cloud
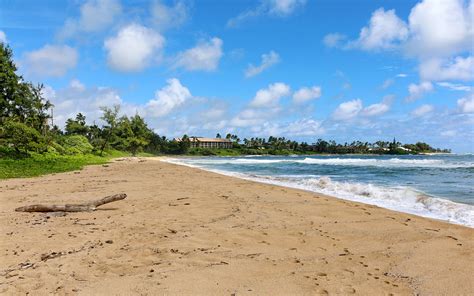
(77, 98)
(402, 75)
(303, 127)
(95, 16)
(352, 109)
(268, 60)
(449, 133)
(438, 69)
(455, 86)
(385, 31)
(77, 85)
(466, 104)
(170, 97)
(204, 56)
(416, 91)
(439, 34)
(277, 8)
(3, 37)
(378, 108)
(252, 117)
(164, 17)
(348, 110)
(334, 39)
(306, 94)
(300, 128)
(50, 60)
(133, 48)
(422, 110)
(270, 96)
(284, 7)
(440, 28)
(387, 83)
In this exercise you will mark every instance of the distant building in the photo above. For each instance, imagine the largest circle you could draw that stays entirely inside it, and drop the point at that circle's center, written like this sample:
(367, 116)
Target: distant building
(200, 142)
(404, 149)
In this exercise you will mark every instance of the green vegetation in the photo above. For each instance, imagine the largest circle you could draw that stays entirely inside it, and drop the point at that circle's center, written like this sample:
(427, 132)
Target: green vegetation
(31, 145)
(47, 163)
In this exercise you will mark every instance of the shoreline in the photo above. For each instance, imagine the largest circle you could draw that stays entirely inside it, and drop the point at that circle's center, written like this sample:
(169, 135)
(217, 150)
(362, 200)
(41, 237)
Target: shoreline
(183, 230)
(374, 202)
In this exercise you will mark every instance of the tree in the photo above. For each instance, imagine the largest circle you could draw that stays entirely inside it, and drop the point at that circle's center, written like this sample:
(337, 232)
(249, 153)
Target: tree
(19, 99)
(21, 137)
(77, 126)
(110, 116)
(141, 134)
(218, 136)
(184, 144)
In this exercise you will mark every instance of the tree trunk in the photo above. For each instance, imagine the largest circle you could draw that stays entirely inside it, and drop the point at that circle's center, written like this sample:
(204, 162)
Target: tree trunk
(85, 207)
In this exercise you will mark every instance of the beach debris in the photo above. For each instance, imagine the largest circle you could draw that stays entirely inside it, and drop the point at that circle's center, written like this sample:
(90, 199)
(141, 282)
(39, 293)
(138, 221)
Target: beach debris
(85, 207)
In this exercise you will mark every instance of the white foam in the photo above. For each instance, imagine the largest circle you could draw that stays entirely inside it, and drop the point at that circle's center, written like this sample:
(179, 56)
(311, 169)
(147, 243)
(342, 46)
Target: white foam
(402, 199)
(392, 162)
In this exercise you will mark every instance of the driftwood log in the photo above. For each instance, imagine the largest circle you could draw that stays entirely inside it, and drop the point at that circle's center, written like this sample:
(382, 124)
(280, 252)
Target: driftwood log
(85, 207)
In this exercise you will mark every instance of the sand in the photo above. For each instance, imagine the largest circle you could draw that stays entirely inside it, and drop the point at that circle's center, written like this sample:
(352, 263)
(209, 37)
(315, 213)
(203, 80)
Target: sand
(184, 231)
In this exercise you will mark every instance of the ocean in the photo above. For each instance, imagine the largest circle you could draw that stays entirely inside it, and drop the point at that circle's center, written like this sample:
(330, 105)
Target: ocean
(435, 186)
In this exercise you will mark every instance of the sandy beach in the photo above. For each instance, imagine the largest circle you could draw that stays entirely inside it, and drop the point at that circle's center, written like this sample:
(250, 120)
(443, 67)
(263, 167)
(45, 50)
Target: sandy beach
(184, 231)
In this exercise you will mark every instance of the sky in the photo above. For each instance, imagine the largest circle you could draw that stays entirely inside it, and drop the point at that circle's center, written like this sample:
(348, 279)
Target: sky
(304, 69)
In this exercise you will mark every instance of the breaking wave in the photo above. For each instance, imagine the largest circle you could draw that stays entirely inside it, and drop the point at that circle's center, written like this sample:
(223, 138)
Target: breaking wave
(398, 198)
(392, 162)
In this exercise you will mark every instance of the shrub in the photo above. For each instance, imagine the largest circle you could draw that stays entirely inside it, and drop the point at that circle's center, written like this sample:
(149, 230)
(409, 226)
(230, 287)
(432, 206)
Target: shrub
(21, 137)
(77, 144)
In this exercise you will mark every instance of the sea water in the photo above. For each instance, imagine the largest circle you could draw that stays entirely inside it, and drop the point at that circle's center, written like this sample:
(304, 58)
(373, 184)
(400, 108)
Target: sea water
(435, 186)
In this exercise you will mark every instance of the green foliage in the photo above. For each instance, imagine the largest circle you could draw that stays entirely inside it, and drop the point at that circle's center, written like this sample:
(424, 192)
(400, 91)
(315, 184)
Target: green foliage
(184, 145)
(20, 100)
(40, 164)
(76, 144)
(21, 137)
(77, 126)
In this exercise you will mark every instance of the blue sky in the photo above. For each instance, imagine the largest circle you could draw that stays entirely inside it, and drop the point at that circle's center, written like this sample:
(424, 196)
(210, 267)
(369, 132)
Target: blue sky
(304, 69)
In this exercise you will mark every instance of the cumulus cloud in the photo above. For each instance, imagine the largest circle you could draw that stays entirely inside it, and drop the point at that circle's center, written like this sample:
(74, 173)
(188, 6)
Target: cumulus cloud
(3, 37)
(170, 97)
(306, 127)
(165, 17)
(253, 117)
(466, 104)
(378, 108)
(277, 8)
(385, 31)
(347, 110)
(303, 127)
(334, 39)
(440, 28)
(50, 60)
(352, 109)
(416, 91)
(205, 56)
(268, 60)
(436, 69)
(306, 94)
(76, 97)
(438, 33)
(270, 96)
(95, 16)
(133, 48)
(422, 110)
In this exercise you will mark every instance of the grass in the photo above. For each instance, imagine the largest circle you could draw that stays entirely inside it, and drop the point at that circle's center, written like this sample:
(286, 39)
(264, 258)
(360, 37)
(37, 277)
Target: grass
(41, 164)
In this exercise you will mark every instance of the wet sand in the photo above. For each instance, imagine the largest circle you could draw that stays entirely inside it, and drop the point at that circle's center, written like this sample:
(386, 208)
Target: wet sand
(190, 232)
